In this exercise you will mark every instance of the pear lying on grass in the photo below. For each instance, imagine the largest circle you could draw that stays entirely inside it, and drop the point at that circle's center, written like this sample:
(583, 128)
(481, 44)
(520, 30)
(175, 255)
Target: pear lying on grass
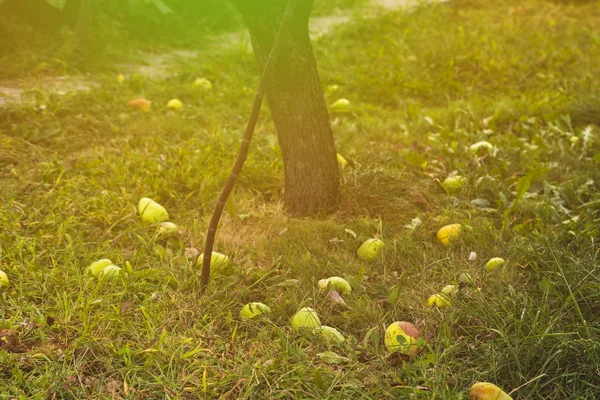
(4, 282)
(450, 290)
(140, 104)
(167, 229)
(202, 83)
(254, 309)
(494, 264)
(402, 337)
(474, 148)
(305, 318)
(152, 212)
(341, 106)
(370, 250)
(174, 104)
(96, 267)
(440, 300)
(110, 272)
(330, 334)
(449, 234)
(487, 391)
(453, 183)
(217, 260)
(336, 283)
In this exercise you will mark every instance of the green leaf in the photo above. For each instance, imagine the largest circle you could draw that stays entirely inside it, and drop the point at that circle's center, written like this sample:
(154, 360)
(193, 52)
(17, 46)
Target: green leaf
(331, 357)
(523, 185)
(394, 294)
(401, 340)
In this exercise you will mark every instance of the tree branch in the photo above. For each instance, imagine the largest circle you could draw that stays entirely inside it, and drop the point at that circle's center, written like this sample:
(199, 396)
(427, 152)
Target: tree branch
(247, 138)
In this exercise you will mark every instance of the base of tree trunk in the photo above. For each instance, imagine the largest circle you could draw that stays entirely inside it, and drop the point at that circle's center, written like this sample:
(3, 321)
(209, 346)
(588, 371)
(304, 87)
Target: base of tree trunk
(298, 107)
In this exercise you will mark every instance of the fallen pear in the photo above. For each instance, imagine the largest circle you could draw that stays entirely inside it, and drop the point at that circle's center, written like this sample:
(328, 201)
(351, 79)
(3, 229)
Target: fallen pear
(401, 336)
(305, 318)
(202, 83)
(450, 290)
(217, 260)
(336, 283)
(152, 212)
(453, 183)
(449, 234)
(110, 272)
(487, 391)
(494, 264)
(370, 250)
(254, 309)
(330, 334)
(439, 300)
(481, 145)
(341, 106)
(96, 267)
(174, 104)
(4, 282)
(140, 104)
(167, 229)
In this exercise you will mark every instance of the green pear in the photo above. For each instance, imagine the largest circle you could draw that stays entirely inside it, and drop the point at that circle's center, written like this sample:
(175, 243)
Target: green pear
(4, 282)
(110, 272)
(341, 106)
(253, 309)
(305, 317)
(217, 260)
(370, 250)
(494, 264)
(336, 283)
(330, 334)
(96, 267)
(152, 212)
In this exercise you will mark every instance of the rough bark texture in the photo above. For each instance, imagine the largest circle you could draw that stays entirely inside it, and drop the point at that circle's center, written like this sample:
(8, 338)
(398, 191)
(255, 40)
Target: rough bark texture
(298, 107)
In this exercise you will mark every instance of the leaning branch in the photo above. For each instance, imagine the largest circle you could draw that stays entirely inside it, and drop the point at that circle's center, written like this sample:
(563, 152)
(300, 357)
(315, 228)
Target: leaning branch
(243, 152)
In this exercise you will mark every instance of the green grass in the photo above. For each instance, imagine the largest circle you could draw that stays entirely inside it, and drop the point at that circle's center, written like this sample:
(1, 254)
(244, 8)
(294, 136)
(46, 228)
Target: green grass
(424, 88)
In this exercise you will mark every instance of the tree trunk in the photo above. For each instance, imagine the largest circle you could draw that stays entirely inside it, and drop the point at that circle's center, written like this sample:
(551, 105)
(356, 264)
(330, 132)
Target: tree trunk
(298, 107)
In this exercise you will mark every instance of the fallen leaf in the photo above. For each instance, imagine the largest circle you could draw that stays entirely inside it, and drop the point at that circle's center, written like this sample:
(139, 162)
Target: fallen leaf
(331, 357)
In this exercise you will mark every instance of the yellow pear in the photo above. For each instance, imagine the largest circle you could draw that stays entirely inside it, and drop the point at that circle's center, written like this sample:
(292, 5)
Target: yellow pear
(4, 282)
(449, 234)
(440, 300)
(487, 391)
(174, 104)
(401, 336)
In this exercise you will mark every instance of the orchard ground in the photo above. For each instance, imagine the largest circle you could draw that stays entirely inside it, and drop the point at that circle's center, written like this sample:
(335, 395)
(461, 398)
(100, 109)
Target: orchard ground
(423, 88)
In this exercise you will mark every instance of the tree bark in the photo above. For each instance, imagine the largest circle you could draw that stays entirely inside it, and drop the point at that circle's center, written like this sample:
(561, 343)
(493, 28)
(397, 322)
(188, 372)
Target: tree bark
(297, 105)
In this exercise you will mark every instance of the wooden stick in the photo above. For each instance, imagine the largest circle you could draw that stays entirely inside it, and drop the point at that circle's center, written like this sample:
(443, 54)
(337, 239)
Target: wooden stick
(243, 152)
